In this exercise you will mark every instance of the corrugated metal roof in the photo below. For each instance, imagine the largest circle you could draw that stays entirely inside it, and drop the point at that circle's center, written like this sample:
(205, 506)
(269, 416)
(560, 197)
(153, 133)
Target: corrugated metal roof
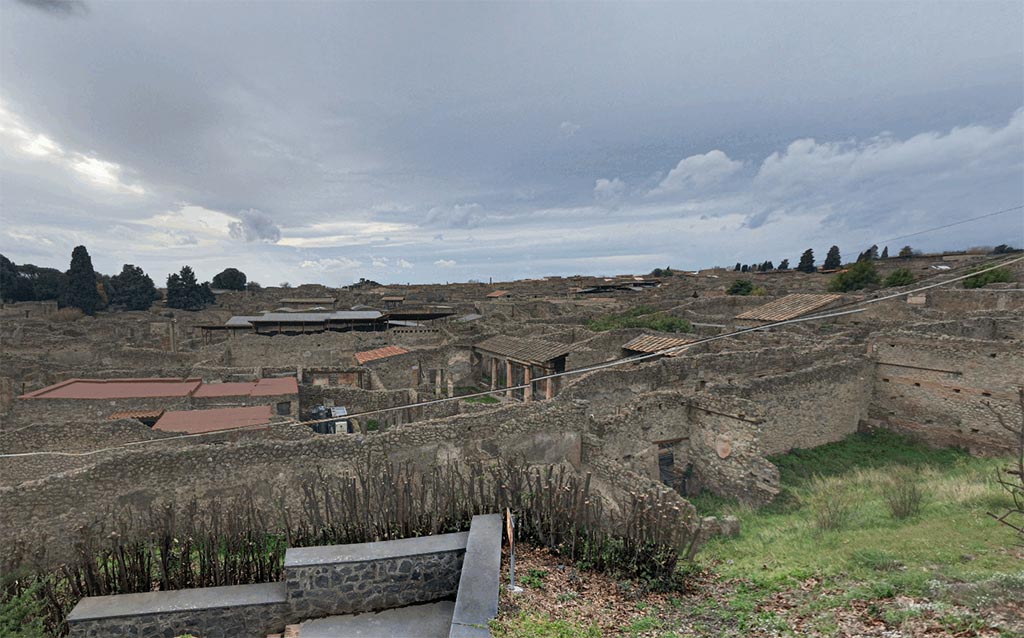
(653, 343)
(307, 300)
(196, 421)
(379, 353)
(470, 317)
(136, 414)
(789, 307)
(241, 321)
(317, 317)
(529, 350)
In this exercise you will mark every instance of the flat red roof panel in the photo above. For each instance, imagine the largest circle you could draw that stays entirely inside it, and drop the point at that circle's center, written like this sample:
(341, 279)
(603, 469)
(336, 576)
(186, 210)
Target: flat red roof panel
(116, 389)
(276, 387)
(197, 421)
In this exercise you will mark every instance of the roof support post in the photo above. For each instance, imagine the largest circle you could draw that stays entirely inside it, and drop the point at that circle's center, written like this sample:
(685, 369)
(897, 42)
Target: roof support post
(509, 375)
(494, 373)
(528, 380)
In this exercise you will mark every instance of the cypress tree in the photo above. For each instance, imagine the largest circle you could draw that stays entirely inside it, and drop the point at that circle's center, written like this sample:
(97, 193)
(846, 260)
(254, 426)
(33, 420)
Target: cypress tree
(82, 292)
(132, 289)
(832, 259)
(806, 261)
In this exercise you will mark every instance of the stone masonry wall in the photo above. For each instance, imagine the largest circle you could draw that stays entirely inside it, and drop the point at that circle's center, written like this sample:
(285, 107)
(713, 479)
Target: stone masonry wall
(936, 389)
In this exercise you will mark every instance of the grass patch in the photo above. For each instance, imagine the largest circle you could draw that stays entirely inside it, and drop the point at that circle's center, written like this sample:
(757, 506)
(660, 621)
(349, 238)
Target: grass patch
(641, 317)
(949, 538)
(528, 625)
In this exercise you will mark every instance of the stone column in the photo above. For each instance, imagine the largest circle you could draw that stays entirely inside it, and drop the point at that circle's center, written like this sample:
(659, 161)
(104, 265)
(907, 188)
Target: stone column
(549, 388)
(528, 390)
(508, 378)
(494, 373)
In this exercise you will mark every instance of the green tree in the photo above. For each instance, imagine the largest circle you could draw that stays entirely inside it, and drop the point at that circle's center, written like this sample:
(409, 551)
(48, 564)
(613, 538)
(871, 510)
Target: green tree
(906, 251)
(899, 277)
(998, 275)
(46, 283)
(253, 286)
(860, 275)
(885, 253)
(869, 255)
(784, 264)
(133, 289)
(82, 291)
(13, 286)
(738, 266)
(741, 287)
(832, 259)
(229, 279)
(806, 261)
(185, 293)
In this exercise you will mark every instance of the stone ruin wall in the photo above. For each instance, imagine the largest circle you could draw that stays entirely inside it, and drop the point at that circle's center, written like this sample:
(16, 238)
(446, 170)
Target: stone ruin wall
(177, 470)
(935, 389)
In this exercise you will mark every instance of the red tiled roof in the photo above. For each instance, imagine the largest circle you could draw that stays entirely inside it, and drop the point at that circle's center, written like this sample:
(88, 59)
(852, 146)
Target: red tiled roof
(379, 353)
(498, 293)
(196, 421)
(261, 388)
(150, 388)
(116, 389)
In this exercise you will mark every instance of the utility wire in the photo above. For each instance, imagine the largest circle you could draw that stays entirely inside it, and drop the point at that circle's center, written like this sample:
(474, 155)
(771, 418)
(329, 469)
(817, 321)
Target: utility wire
(957, 223)
(608, 364)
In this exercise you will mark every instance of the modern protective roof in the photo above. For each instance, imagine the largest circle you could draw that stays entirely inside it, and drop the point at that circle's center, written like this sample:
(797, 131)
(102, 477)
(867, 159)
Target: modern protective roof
(308, 300)
(116, 389)
(241, 321)
(260, 388)
(653, 343)
(196, 421)
(528, 350)
(789, 307)
(470, 317)
(136, 414)
(379, 353)
(498, 293)
(317, 317)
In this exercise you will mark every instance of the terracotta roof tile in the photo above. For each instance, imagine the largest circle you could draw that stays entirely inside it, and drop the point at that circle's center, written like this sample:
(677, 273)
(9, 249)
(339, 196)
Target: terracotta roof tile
(652, 343)
(789, 307)
(527, 350)
(379, 353)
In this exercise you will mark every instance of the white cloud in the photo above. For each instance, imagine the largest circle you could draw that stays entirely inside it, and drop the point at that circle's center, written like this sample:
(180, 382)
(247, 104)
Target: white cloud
(331, 264)
(457, 216)
(403, 264)
(567, 129)
(698, 172)
(16, 136)
(609, 190)
(444, 263)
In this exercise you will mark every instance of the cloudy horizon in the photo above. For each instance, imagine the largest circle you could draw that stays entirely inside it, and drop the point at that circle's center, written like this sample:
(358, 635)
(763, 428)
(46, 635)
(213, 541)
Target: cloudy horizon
(325, 142)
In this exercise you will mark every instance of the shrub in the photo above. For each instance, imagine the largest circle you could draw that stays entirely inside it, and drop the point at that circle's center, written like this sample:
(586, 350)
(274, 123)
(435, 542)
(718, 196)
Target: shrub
(641, 317)
(860, 275)
(758, 291)
(741, 287)
(831, 504)
(998, 275)
(899, 277)
(903, 494)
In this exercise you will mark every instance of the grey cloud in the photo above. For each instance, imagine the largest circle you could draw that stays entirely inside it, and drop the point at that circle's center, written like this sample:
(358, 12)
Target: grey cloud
(59, 7)
(254, 225)
(456, 216)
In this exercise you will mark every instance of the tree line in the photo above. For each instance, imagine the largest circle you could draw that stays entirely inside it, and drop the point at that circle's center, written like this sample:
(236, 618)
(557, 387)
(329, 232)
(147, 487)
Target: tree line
(80, 286)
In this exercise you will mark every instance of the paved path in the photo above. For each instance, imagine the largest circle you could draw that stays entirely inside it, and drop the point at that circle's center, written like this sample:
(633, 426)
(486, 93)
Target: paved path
(432, 620)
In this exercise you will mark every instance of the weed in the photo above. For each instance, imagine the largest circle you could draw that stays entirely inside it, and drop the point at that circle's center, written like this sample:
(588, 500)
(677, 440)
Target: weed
(534, 578)
(876, 559)
(832, 504)
(903, 494)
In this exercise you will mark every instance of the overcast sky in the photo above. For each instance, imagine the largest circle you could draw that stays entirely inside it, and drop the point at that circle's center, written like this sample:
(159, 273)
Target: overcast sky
(327, 141)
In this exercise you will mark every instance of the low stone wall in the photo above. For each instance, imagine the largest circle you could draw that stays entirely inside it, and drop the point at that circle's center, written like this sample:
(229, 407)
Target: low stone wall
(347, 579)
(320, 582)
